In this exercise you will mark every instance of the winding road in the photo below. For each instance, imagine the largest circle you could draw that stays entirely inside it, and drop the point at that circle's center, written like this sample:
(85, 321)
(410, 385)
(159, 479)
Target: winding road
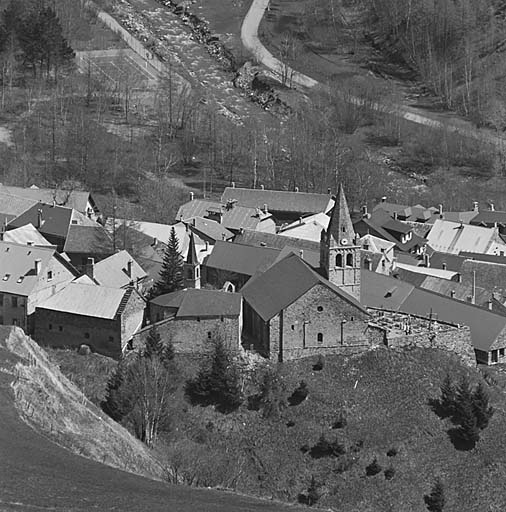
(444, 121)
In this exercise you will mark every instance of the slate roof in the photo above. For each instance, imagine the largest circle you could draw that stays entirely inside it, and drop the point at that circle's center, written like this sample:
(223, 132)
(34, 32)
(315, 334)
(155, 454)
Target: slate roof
(55, 219)
(452, 237)
(18, 263)
(262, 239)
(24, 235)
(490, 276)
(429, 271)
(193, 302)
(208, 228)
(452, 261)
(489, 218)
(485, 325)
(12, 206)
(88, 239)
(71, 199)
(236, 217)
(241, 259)
(308, 228)
(283, 283)
(86, 300)
(312, 257)
(279, 200)
(112, 271)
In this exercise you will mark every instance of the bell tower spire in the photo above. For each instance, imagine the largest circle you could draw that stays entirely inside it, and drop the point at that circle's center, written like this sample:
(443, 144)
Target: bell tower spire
(191, 266)
(339, 252)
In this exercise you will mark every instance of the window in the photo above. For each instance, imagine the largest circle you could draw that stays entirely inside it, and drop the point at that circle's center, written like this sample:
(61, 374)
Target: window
(197, 272)
(50, 327)
(293, 327)
(60, 328)
(501, 352)
(198, 319)
(6, 277)
(49, 275)
(14, 301)
(343, 229)
(352, 318)
(87, 335)
(15, 321)
(339, 260)
(189, 274)
(319, 337)
(494, 356)
(209, 335)
(319, 308)
(349, 260)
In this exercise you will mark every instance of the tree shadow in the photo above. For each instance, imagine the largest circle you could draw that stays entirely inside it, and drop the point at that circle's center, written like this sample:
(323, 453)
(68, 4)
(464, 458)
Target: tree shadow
(254, 402)
(439, 409)
(460, 444)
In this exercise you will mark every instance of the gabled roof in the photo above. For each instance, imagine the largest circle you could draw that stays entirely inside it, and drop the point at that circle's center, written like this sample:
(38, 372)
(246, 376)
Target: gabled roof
(489, 218)
(233, 217)
(17, 266)
(278, 200)
(312, 257)
(55, 219)
(113, 271)
(283, 283)
(262, 239)
(71, 199)
(452, 237)
(429, 271)
(86, 300)
(209, 228)
(193, 302)
(307, 228)
(450, 261)
(241, 259)
(88, 240)
(25, 235)
(12, 206)
(340, 226)
(380, 291)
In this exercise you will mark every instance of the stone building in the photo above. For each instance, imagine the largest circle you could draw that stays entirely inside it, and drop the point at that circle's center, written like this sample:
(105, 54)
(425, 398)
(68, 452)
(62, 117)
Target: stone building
(103, 318)
(28, 276)
(193, 318)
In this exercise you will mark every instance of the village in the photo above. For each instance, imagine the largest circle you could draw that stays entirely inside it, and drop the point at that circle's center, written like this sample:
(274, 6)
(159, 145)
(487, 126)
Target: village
(282, 274)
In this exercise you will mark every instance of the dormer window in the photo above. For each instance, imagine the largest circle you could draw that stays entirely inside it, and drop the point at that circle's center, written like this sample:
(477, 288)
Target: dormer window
(49, 275)
(6, 277)
(20, 279)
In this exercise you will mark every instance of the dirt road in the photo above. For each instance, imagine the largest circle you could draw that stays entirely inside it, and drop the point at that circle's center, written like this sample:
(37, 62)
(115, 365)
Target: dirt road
(445, 121)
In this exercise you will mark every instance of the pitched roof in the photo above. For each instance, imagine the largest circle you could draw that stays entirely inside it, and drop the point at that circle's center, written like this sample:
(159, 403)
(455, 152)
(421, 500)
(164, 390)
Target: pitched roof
(340, 226)
(452, 237)
(17, 266)
(283, 283)
(450, 261)
(25, 235)
(278, 200)
(307, 228)
(193, 302)
(489, 218)
(55, 219)
(429, 271)
(71, 199)
(312, 257)
(242, 259)
(487, 275)
(209, 228)
(88, 239)
(113, 271)
(262, 239)
(380, 291)
(233, 217)
(86, 300)
(12, 206)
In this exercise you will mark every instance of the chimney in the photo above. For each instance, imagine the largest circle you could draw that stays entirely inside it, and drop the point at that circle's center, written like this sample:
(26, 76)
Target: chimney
(301, 254)
(426, 260)
(53, 204)
(491, 207)
(394, 215)
(265, 209)
(368, 264)
(233, 184)
(329, 191)
(129, 268)
(384, 199)
(262, 187)
(296, 189)
(459, 278)
(155, 242)
(30, 243)
(444, 266)
(440, 207)
(452, 294)
(89, 268)
(300, 221)
(37, 265)
(475, 206)
(39, 218)
(192, 195)
(489, 304)
(364, 211)
(207, 245)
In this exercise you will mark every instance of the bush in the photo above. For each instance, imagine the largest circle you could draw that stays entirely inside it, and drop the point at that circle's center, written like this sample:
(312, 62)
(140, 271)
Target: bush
(435, 501)
(389, 473)
(392, 452)
(373, 468)
(299, 394)
(320, 363)
(340, 421)
(325, 448)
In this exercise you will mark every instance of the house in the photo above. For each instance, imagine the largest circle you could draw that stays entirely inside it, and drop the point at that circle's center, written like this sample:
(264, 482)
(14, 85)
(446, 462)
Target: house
(307, 228)
(208, 230)
(237, 263)
(285, 206)
(231, 215)
(25, 235)
(490, 218)
(82, 202)
(192, 319)
(377, 254)
(291, 311)
(11, 206)
(118, 271)
(85, 242)
(417, 213)
(488, 329)
(275, 241)
(381, 225)
(28, 276)
(103, 318)
(453, 238)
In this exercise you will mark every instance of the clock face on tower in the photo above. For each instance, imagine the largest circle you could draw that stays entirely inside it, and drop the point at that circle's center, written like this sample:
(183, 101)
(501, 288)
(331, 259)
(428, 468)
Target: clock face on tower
(344, 241)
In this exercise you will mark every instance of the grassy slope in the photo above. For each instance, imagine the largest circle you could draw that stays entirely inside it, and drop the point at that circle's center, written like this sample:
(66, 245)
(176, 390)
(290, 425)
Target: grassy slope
(385, 394)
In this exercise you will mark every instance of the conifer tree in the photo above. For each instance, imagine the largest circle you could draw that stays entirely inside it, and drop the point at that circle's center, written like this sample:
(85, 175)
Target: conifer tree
(117, 403)
(435, 501)
(481, 407)
(448, 395)
(153, 343)
(171, 275)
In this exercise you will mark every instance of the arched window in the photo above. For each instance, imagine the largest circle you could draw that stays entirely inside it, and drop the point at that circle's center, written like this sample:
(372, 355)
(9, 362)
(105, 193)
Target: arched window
(339, 260)
(349, 260)
(319, 337)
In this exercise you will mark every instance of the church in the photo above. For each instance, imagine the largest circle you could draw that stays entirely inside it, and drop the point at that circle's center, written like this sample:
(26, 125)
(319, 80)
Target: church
(293, 310)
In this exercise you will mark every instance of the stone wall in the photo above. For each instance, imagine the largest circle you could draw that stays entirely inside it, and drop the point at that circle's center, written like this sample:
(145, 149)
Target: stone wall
(452, 339)
(193, 336)
(497, 351)
(132, 317)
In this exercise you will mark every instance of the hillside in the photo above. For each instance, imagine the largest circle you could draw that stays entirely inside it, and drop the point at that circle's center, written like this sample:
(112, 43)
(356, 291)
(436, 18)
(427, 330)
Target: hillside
(36, 473)
(375, 406)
